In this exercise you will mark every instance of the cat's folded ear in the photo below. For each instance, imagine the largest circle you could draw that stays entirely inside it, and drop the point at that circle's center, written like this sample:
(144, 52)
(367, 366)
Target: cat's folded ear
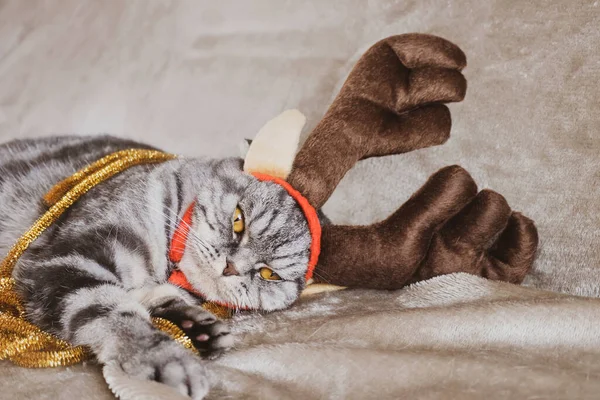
(273, 150)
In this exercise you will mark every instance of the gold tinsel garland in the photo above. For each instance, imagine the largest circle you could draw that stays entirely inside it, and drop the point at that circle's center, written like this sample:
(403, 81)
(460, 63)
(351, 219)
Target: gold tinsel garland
(24, 343)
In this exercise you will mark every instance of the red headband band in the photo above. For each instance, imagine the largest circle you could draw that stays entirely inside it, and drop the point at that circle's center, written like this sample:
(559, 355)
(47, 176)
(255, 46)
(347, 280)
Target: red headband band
(314, 226)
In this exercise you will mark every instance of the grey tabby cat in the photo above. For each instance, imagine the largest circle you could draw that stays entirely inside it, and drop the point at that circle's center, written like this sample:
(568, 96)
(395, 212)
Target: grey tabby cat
(97, 275)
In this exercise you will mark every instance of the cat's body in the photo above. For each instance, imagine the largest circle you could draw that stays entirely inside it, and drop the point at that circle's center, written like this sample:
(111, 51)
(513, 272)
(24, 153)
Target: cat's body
(95, 277)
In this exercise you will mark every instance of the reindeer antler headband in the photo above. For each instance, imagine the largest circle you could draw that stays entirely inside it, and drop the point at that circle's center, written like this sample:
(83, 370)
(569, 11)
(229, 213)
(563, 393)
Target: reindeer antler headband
(393, 102)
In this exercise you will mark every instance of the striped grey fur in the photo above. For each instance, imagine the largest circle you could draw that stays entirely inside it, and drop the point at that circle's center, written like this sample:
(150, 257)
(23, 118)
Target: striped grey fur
(95, 277)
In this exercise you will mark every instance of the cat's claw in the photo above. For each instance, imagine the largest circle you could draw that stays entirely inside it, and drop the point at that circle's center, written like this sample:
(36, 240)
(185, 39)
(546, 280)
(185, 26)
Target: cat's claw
(208, 334)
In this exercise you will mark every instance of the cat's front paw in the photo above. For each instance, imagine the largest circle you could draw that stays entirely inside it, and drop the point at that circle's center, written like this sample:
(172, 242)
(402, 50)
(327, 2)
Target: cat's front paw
(208, 334)
(157, 357)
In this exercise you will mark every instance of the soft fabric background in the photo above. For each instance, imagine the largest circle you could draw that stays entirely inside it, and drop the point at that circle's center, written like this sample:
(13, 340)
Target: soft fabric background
(195, 77)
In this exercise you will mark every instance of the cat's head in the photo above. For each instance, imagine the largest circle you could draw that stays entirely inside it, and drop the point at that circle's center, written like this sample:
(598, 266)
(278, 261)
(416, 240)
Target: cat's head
(249, 240)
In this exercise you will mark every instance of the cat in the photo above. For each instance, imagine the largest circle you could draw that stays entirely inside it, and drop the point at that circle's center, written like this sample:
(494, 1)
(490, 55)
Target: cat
(98, 274)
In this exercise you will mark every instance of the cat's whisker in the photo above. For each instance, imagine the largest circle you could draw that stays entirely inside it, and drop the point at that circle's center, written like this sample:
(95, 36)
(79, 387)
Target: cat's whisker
(244, 303)
(191, 233)
(321, 277)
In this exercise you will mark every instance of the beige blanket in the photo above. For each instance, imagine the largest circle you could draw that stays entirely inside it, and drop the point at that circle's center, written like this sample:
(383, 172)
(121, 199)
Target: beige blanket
(196, 77)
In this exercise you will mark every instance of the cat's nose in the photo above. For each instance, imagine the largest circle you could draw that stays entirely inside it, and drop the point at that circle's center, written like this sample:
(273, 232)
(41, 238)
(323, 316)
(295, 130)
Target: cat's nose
(230, 270)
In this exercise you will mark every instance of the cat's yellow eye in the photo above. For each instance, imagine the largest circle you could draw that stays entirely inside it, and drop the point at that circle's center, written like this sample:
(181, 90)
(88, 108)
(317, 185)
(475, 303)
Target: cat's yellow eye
(268, 274)
(238, 221)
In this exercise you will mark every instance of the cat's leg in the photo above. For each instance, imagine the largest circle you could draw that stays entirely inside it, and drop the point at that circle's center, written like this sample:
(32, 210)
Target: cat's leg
(82, 302)
(209, 335)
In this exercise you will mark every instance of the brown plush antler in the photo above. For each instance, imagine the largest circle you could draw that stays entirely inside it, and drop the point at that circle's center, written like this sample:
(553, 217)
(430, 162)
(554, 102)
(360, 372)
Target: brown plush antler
(392, 103)
(444, 227)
